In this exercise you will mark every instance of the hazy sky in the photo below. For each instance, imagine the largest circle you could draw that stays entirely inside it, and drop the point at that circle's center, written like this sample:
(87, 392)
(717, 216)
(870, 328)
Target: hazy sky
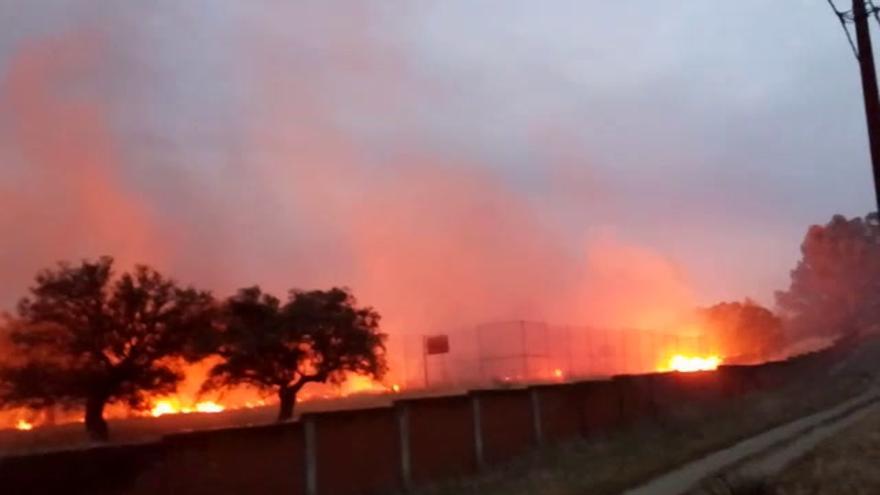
(451, 161)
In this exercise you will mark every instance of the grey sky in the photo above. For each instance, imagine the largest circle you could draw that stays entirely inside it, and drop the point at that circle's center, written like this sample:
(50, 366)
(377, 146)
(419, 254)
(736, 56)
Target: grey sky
(711, 133)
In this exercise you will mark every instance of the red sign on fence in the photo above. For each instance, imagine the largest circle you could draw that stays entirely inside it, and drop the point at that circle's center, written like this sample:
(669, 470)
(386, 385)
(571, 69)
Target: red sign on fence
(436, 344)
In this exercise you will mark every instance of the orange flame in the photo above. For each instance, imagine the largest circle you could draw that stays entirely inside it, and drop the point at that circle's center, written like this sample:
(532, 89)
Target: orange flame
(163, 407)
(358, 384)
(209, 407)
(23, 425)
(688, 364)
(172, 406)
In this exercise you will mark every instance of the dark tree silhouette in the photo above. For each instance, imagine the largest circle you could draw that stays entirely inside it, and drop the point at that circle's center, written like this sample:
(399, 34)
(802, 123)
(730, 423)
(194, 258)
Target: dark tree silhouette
(85, 338)
(746, 330)
(835, 288)
(317, 336)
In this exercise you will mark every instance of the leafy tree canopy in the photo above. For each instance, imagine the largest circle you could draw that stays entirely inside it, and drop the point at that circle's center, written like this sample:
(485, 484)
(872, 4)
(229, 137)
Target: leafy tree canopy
(835, 288)
(85, 337)
(316, 336)
(746, 330)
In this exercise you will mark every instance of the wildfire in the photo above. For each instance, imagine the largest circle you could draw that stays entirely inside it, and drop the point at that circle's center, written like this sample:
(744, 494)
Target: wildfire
(162, 407)
(24, 425)
(209, 407)
(693, 363)
(357, 384)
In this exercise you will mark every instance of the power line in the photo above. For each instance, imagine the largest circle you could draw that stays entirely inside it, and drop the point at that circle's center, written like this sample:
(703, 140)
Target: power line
(873, 11)
(848, 17)
(844, 17)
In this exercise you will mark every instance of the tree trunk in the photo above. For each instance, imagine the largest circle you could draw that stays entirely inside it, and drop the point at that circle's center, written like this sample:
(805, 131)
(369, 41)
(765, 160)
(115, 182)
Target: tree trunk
(287, 399)
(96, 427)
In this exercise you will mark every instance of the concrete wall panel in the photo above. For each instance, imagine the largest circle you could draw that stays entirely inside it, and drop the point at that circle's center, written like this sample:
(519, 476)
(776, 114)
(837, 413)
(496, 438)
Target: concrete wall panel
(358, 452)
(506, 418)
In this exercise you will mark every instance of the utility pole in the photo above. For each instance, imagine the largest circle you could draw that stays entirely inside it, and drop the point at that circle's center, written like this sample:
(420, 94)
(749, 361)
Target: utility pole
(858, 16)
(865, 56)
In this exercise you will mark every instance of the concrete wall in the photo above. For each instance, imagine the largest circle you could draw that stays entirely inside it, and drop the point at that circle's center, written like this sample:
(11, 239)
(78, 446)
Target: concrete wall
(598, 404)
(264, 459)
(92, 471)
(737, 380)
(636, 397)
(506, 422)
(441, 437)
(704, 388)
(356, 452)
(369, 451)
(560, 414)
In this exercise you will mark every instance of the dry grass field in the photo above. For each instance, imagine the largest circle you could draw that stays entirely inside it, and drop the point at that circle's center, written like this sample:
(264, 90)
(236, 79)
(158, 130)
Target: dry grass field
(847, 464)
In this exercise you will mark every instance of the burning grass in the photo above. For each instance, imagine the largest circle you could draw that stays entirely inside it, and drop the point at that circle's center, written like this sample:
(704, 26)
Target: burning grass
(199, 416)
(24, 425)
(689, 364)
(172, 406)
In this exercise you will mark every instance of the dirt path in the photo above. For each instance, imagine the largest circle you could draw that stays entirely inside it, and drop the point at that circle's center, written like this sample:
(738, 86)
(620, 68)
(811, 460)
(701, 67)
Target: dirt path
(688, 476)
(779, 458)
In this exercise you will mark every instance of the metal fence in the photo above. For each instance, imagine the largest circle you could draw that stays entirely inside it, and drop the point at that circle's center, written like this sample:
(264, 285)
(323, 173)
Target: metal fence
(493, 354)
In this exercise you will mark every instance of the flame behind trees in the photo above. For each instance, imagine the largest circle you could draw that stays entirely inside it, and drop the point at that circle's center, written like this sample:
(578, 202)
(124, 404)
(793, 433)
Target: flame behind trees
(745, 331)
(85, 338)
(317, 336)
(834, 290)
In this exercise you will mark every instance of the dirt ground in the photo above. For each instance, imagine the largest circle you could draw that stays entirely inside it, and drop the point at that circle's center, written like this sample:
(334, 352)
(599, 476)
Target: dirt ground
(848, 464)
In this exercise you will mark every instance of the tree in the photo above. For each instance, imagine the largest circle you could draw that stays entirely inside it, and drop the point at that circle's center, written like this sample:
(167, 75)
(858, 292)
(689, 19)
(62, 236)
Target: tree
(746, 331)
(835, 288)
(316, 337)
(86, 339)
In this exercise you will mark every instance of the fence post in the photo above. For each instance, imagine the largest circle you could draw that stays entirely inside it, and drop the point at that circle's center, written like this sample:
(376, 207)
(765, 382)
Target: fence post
(478, 432)
(536, 415)
(405, 459)
(311, 455)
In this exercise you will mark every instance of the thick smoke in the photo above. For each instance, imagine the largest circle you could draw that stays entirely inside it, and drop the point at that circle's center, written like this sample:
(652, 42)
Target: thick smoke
(452, 162)
(281, 161)
(62, 194)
